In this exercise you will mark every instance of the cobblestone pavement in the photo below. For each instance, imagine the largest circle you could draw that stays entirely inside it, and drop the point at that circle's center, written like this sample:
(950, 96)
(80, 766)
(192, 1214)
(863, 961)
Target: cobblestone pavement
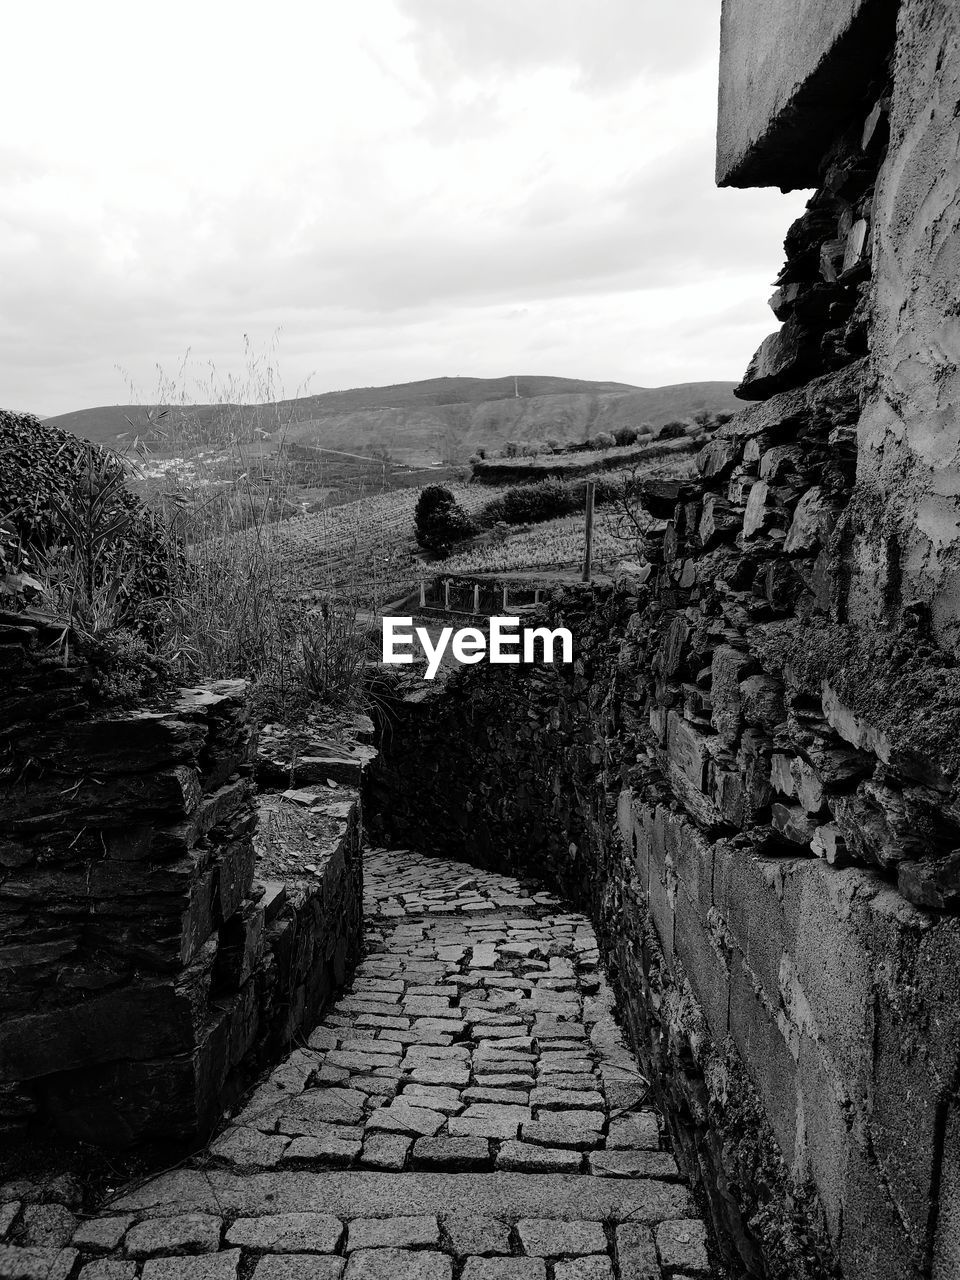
(467, 1109)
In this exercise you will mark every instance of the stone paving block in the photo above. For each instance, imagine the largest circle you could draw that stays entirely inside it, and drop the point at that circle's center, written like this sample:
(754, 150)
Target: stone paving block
(398, 1264)
(451, 1075)
(51, 1225)
(637, 1130)
(504, 1269)
(329, 1105)
(526, 1157)
(683, 1244)
(594, 1267)
(211, 1266)
(434, 1098)
(548, 1238)
(379, 1086)
(36, 1262)
(632, 1164)
(287, 1233)
(478, 1094)
(329, 1149)
(298, 1266)
(385, 1150)
(636, 1252)
(392, 1233)
(101, 1234)
(181, 1233)
(109, 1269)
(469, 1234)
(247, 1148)
(452, 1152)
(566, 1099)
(402, 1117)
(424, 1007)
(553, 1131)
(481, 1127)
(503, 1080)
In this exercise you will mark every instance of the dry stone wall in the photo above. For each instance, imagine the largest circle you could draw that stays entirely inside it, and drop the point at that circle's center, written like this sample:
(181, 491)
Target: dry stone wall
(144, 971)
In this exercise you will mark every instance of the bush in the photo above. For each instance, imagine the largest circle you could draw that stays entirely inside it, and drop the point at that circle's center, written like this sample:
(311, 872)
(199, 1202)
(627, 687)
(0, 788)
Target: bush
(530, 503)
(439, 520)
(673, 430)
(603, 441)
(625, 435)
(78, 526)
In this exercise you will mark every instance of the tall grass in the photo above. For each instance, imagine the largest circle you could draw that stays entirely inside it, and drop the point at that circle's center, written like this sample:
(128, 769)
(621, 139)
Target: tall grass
(230, 607)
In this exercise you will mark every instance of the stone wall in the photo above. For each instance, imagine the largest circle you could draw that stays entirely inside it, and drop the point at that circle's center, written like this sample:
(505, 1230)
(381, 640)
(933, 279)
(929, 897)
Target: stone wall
(144, 972)
(908, 523)
(793, 77)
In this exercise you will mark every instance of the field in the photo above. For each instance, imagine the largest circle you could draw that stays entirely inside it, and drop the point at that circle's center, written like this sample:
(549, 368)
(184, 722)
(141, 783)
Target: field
(364, 550)
(555, 544)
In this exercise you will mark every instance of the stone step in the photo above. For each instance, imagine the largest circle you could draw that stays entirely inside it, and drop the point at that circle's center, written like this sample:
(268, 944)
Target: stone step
(510, 1196)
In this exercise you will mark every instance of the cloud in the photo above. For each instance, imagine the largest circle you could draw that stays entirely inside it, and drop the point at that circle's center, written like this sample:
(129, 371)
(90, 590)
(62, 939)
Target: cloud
(406, 188)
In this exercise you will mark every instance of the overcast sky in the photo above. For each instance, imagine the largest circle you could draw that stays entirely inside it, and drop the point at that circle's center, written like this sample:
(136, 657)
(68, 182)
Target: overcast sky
(404, 188)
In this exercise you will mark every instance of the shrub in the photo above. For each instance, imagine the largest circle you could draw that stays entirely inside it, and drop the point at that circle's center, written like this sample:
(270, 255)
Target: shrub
(604, 440)
(625, 435)
(673, 430)
(78, 524)
(439, 520)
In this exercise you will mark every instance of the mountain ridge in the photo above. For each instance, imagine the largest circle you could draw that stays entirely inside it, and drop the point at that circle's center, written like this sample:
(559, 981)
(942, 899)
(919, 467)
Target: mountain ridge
(434, 419)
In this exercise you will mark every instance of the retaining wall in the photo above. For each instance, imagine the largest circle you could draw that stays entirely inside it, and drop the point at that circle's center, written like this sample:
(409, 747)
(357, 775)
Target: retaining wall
(145, 973)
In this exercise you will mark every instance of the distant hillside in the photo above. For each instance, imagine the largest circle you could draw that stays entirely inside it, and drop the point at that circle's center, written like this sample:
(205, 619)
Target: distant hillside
(440, 419)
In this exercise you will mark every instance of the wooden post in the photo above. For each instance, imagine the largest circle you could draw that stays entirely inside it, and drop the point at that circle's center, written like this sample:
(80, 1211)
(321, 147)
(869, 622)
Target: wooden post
(536, 596)
(505, 591)
(476, 597)
(588, 532)
(423, 593)
(446, 594)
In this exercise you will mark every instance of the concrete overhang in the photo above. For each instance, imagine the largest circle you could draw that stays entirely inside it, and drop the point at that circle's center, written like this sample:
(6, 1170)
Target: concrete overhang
(791, 73)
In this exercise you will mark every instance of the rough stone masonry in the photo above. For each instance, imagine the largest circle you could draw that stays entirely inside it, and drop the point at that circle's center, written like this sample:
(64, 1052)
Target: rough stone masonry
(751, 772)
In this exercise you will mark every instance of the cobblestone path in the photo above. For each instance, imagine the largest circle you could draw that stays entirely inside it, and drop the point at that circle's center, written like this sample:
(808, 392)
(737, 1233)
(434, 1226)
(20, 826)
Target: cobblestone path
(467, 1109)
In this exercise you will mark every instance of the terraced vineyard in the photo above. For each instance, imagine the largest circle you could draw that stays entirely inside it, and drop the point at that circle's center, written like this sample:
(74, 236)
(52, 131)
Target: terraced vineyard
(556, 544)
(365, 549)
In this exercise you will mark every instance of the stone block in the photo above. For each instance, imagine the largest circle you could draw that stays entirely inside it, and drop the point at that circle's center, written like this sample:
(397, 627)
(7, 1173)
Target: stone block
(181, 1233)
(392, 1233)
(211, 1266)
(298, 1266)
(392, 1264)
(548, 1238)
(729, 668)
(287, 1233)
(760, 1040)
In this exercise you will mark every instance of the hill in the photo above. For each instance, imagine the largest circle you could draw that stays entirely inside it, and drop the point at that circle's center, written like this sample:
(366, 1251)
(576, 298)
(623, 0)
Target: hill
(439, 419)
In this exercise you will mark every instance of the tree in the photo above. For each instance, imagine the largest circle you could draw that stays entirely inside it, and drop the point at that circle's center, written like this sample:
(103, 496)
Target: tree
(439, 520)
(625, 435)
